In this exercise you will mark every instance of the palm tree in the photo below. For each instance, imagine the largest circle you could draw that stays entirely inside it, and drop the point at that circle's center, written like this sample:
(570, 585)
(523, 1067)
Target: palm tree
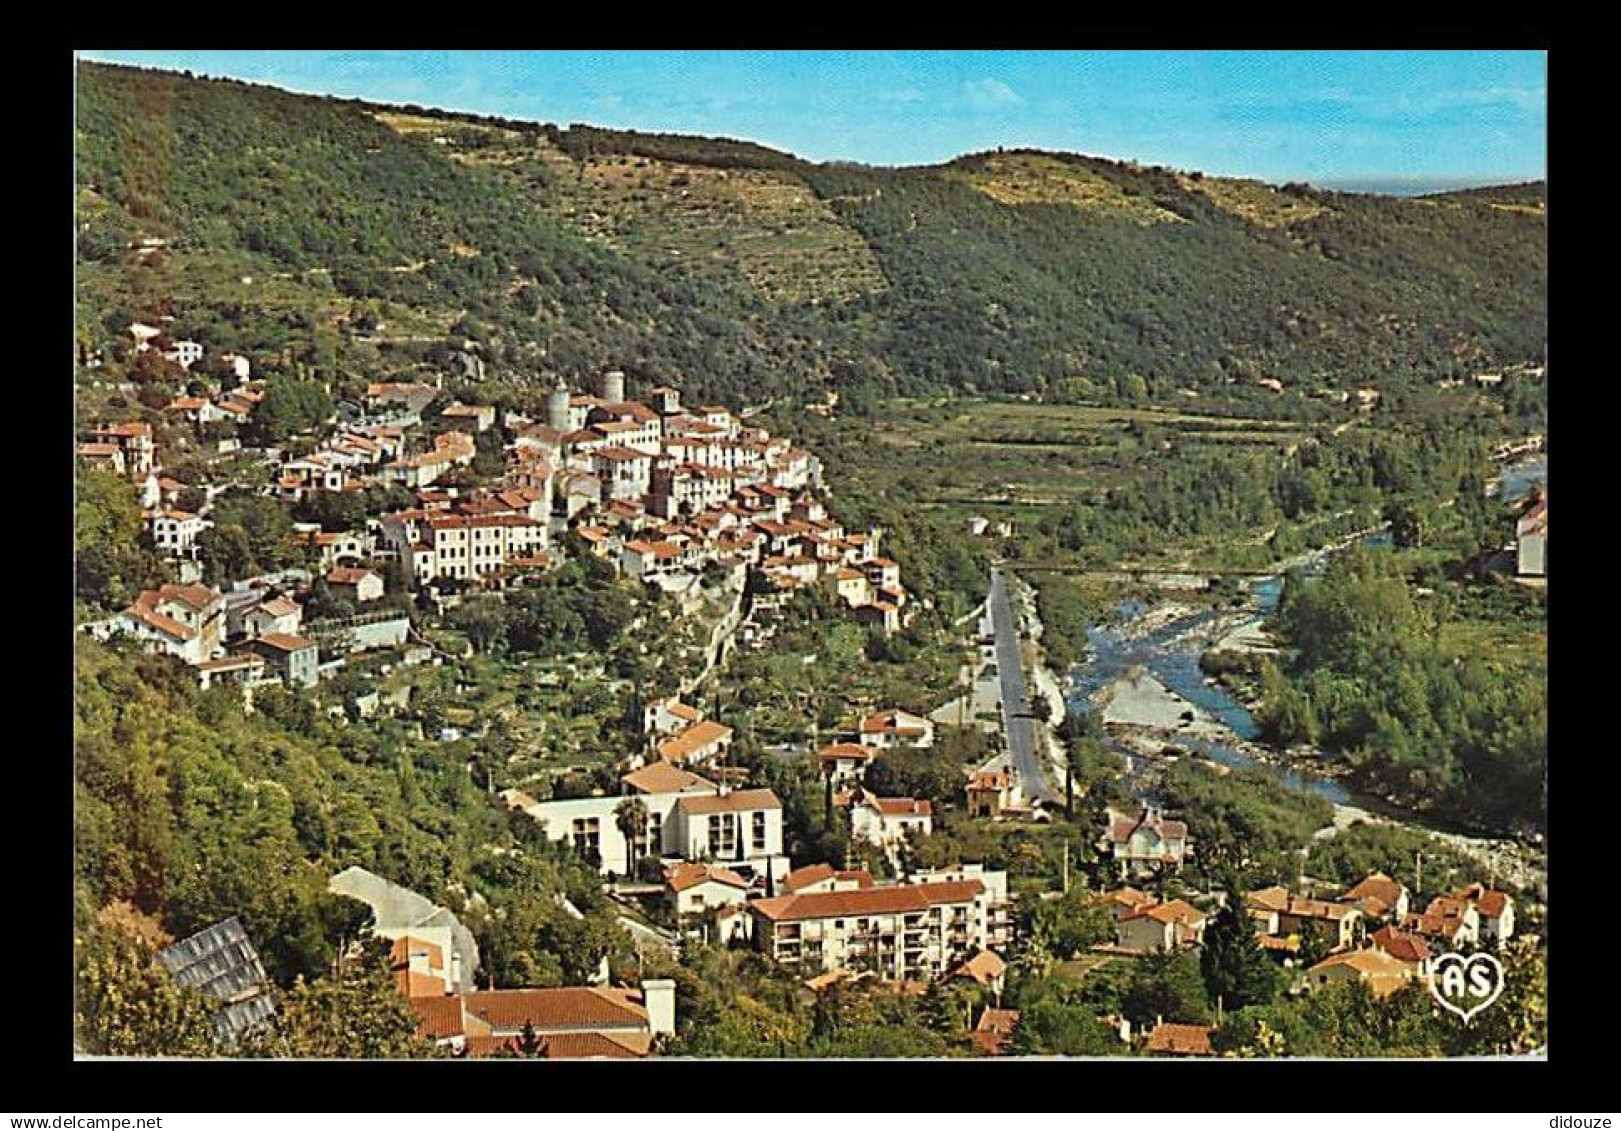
(631, 817)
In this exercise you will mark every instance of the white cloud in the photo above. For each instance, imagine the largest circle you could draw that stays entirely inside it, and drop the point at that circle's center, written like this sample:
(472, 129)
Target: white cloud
(990, 94)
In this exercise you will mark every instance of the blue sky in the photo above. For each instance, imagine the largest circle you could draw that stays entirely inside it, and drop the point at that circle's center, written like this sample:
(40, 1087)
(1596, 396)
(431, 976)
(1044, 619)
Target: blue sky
(1327, 117)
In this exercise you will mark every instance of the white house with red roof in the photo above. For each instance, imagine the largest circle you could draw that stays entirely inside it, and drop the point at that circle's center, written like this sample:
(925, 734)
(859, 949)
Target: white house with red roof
(1494, 911)
(476, 547)
(296, 659)
(1146, 840)
(134, 440)
(824, 877)
(1160, 926)
(669, 716)
(845, 763)
(693, 887)
(187, 621)
(895, 728)
(277, 614)
(355, 584)
(696, 744)
(174, 531)
(888, 821)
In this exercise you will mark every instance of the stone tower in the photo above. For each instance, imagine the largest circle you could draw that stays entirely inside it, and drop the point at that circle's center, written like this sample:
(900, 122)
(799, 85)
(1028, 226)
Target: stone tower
(613, 387)
(557, 407)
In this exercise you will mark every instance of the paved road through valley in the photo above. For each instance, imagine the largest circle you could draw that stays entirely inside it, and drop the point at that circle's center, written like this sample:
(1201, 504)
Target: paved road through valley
(1016, 720)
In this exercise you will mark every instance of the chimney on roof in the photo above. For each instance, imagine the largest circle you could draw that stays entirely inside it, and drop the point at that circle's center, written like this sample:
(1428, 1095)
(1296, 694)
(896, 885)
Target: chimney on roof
(658, 998)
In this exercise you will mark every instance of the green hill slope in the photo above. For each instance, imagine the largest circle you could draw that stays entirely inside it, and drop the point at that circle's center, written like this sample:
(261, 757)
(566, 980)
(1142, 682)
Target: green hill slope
(744, 273)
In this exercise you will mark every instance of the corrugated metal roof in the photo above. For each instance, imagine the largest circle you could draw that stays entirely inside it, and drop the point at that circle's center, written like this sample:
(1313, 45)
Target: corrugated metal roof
(221, 962)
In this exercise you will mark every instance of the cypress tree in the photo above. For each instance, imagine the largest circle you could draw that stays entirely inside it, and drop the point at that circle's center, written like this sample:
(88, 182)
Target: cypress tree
(1234, 966)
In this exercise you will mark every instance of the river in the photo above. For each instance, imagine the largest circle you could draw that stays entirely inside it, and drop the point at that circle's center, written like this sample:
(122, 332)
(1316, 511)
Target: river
(1139, 637)
(1170, 653)
(1517, 480)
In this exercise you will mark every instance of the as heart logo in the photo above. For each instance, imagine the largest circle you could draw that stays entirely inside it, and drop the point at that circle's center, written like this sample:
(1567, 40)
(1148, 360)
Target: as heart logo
(1466, 984)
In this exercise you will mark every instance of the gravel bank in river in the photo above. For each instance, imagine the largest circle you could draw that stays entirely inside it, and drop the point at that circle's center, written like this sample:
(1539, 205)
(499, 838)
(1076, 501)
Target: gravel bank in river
(1140, 700)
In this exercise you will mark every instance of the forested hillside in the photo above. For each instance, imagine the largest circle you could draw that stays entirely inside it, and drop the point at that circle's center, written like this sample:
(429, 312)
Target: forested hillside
(191, 811)
(360, 239)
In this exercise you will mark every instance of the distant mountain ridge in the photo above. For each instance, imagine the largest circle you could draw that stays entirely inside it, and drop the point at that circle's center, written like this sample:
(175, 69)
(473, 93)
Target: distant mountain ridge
(744, 272)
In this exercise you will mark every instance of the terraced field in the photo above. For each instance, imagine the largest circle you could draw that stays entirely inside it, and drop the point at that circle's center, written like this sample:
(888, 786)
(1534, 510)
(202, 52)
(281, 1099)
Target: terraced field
(1022, 178)
(762, 229)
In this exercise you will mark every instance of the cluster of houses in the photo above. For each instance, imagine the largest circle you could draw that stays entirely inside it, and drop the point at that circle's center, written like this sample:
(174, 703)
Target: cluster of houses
(683, 815)
(716, 846)
(434, 958)
(1369, 932)
(664, 492)
(660, 491)
(251, 635)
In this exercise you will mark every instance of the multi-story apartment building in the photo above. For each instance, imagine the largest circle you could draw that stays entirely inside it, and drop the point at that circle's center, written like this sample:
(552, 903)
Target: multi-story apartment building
(434, 544)
(741, 829)
(997, 904)
(911, 932)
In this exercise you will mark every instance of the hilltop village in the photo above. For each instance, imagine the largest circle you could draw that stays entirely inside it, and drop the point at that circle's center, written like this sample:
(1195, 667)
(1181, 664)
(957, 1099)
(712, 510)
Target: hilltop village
(702, 510)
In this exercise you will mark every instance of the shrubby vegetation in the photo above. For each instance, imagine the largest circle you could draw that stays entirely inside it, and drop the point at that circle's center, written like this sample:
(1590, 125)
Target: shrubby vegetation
(112, 561)
(1065, 612)
(1370, 680)
(1247, 821)
(192, 812)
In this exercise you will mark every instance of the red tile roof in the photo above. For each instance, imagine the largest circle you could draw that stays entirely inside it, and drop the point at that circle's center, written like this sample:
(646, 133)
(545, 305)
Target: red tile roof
(739, 800)
(995, 1029)
(285, 642)
(694, 738)
(1379, 886)
(596, 1046)
(438, 1017)
(1402, 945)
(568, 1007)
(894, 722)
(985, 967)
(805, 877)
(689, 875)
(665, 777)
(1384, 973)
(847, 751)
(843, 904)
(1123, 825)
(1174, 911)
(903, 807)
(1180, 1040)
(348, 575)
